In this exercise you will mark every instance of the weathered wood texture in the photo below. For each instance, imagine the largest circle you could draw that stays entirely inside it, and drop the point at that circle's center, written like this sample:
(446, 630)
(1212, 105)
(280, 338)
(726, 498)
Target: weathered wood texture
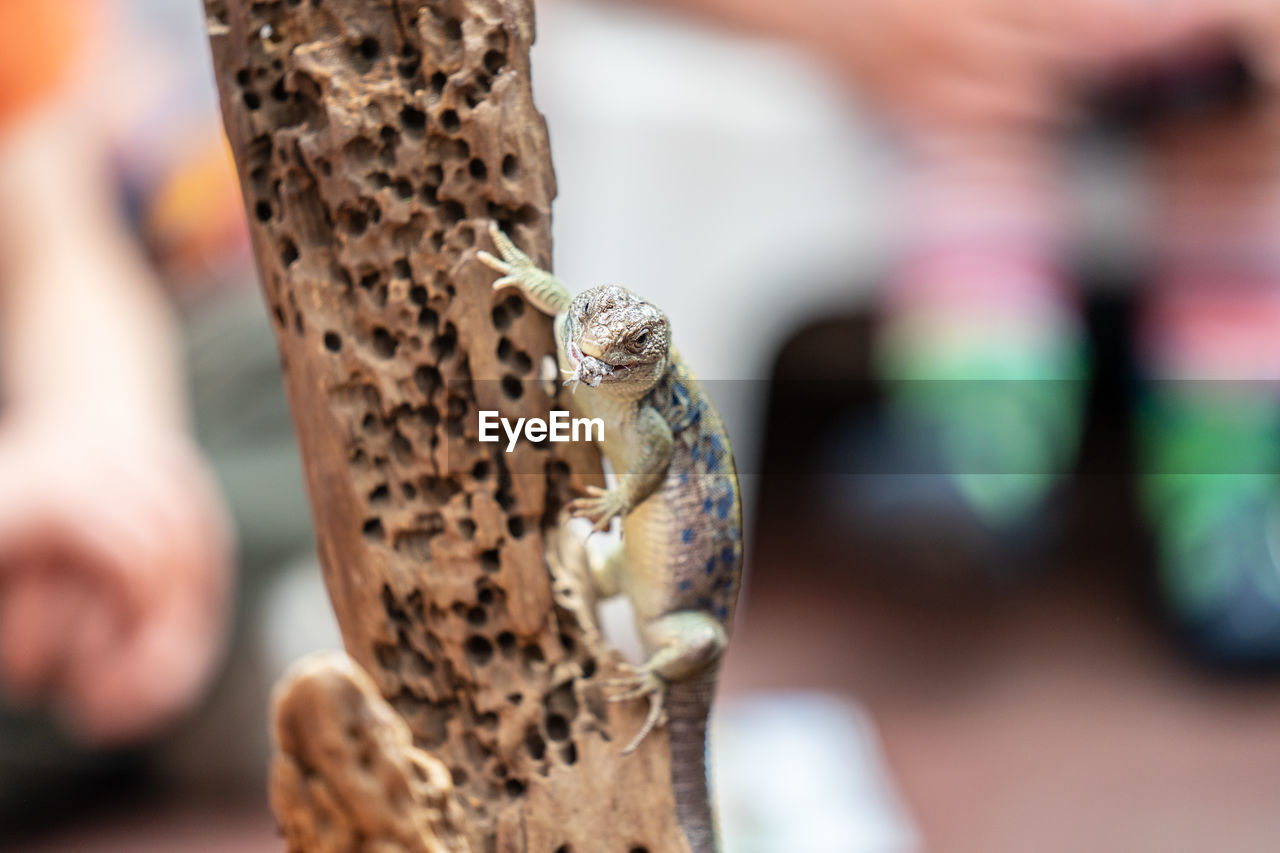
(347, 775)
(375, 140)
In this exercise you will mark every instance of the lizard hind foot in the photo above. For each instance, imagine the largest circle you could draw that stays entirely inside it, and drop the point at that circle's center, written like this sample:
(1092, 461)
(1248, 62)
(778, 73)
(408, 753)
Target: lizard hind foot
(656, 717)
(642, 684)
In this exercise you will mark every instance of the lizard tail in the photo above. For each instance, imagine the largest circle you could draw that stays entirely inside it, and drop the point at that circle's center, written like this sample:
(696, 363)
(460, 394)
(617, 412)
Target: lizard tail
(688, 705)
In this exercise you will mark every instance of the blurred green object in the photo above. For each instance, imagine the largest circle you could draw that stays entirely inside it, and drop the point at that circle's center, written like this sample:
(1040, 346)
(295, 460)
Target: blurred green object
(1211, 453)
(1006, 412)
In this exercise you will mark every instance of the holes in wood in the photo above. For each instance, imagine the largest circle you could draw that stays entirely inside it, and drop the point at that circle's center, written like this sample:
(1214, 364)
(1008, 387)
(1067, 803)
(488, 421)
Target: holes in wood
(373, 530)
(478, 650)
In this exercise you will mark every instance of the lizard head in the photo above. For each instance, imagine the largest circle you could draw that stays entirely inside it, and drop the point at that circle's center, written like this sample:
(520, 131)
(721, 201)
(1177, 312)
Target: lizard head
(615, 341)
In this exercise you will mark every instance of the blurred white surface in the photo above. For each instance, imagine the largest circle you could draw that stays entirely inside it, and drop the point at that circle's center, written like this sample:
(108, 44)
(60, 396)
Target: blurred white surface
(802, 771)
(295, 618)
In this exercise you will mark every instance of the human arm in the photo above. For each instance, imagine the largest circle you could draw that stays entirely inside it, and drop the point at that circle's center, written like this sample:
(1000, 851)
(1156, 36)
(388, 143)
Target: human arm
(114, 557)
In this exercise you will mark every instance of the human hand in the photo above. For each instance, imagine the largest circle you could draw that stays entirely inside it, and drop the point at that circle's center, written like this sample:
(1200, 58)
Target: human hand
(1257, 25)
(115, 574)
(977, 64)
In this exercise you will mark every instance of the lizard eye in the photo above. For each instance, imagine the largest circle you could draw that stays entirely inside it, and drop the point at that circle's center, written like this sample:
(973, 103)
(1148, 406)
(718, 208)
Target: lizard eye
(638, 343)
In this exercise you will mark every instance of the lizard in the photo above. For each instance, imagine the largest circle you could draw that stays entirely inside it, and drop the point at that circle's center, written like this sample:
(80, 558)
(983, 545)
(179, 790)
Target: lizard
(680, 557)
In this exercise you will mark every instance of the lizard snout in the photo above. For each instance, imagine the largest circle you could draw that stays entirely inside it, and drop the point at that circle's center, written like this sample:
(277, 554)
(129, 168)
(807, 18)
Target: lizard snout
(591, 347)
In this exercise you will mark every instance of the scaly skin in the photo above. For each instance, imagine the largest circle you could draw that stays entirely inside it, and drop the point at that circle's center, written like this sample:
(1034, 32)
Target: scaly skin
(680, 558)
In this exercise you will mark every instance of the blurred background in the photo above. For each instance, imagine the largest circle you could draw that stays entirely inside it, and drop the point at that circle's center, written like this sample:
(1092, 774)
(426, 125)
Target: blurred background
(987, 296)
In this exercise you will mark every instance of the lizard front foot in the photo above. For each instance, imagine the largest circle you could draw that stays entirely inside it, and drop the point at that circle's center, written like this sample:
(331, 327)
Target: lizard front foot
(600, 507)
(637, 684)
(515, 266)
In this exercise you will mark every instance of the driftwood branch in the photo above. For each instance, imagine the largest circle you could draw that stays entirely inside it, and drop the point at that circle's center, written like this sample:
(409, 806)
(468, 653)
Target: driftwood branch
(347, 775)
(375, 140)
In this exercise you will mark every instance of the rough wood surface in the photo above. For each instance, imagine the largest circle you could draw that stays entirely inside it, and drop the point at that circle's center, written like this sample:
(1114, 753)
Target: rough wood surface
(347, 775)
(375, 139)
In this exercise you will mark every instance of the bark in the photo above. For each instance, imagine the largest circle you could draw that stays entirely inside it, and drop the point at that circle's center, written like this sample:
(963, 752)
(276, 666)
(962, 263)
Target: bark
(375, 140)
